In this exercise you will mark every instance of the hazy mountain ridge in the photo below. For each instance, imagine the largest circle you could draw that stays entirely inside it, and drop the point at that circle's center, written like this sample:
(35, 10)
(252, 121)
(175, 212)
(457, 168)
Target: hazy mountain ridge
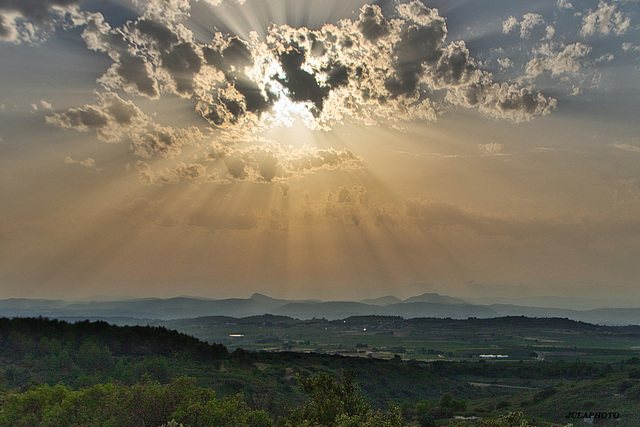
(425, 305)
(385, 300)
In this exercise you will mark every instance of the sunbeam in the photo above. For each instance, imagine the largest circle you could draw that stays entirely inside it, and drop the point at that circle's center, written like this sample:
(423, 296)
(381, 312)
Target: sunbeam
(332, 149)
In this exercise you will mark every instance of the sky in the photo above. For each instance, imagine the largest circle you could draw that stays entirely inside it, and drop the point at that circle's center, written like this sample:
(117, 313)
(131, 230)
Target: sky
(337, 149)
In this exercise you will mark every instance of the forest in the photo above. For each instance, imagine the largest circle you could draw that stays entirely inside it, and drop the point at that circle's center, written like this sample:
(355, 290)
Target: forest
(57, 373)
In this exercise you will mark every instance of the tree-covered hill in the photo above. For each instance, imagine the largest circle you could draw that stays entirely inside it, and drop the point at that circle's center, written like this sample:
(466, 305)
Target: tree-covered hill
(92, 373)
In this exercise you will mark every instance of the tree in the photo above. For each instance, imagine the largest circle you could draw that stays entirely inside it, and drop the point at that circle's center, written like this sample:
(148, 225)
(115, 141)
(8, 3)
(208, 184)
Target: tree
(338, 404)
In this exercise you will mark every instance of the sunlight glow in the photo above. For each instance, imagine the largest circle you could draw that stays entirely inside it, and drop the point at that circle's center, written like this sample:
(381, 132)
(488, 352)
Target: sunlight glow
(285, 112)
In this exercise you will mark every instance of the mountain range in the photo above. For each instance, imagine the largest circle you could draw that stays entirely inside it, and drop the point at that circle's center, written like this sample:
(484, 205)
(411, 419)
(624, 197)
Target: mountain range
(425, 305)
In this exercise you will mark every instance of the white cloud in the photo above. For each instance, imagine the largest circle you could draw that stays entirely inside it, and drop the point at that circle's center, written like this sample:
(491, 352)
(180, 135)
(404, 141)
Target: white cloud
(564, 4)
(604, 20)
(505, 62)
(550, 30)
(491, 148)
(526, 24)
(509, 25)
(87, 163)
(558, 59)
(529, 20)
(626, 46)
(628, 147)
(605, 58)
(222, 2)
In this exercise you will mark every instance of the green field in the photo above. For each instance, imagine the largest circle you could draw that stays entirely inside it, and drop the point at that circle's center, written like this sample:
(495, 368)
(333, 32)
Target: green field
(518, 338)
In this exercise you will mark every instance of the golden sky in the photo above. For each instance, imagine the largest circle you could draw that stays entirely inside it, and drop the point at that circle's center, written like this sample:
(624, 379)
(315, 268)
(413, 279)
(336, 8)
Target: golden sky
(306, 149)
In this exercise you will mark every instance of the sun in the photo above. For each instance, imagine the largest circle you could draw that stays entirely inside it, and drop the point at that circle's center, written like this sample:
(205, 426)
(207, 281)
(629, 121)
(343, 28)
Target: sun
(285, 111)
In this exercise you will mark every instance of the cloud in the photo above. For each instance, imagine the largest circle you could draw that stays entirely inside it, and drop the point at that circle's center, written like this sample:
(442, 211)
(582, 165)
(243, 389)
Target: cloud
(505, 62)
(562, 60)
(550, 31)
(628, 147)
(179, 173)
(491, 148)
(111, 118)
(503, 100)
(604, 20)
(526, 24)
(114, 120)
(348, 204)
(564, 4)
(629, 46)
(510, 24)
(262, 161)
(529, 20)
(372, 68)
(268, 161)
(430, 215)
(23, 21)
(163, 140)
(147, 54)
(87, 163)
(222, 2)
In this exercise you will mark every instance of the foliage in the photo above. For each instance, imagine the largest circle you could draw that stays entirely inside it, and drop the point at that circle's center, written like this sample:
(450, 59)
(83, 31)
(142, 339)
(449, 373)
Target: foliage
(333, 403)
(56, 373)
(511, 419)
(149, 404)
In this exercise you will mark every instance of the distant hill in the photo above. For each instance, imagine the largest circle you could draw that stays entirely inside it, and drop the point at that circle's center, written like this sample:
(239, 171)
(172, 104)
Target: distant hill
(327, 310)
(574, 303)
(435, 298)
(427, 309)
(425, 305)
(604, 316)
(386, 300)
(263, 298)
